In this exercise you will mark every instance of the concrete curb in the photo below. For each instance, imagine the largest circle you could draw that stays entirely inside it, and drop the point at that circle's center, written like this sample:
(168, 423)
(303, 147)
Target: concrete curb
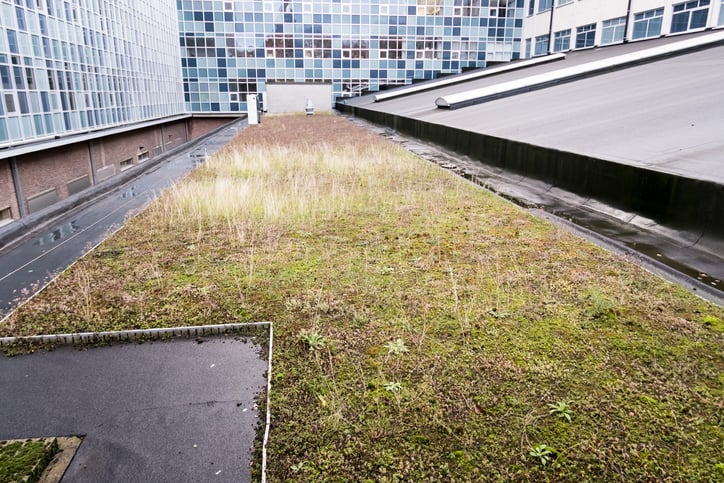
(136, 335)
(17, 229)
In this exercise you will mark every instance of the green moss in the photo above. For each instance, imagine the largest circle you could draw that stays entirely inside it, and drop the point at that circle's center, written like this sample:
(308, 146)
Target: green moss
(25, 461)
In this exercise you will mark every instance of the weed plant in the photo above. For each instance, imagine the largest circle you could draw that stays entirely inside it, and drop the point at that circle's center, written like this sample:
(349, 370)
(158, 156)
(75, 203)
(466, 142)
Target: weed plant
(449, 318)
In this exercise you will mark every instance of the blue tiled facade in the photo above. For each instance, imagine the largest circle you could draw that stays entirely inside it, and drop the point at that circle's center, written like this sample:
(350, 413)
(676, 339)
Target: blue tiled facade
(233, 48)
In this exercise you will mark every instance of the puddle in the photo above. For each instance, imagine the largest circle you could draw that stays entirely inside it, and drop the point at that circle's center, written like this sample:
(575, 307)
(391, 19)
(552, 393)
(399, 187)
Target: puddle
(129, 193)
(60, 233)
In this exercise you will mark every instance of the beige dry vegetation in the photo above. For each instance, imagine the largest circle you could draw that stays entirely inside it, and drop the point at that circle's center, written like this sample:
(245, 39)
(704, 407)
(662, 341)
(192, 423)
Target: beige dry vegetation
(348, 243)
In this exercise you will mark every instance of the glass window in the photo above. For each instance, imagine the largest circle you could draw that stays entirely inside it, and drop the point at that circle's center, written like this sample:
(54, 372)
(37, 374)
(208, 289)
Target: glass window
(13, 42)
(564, 2)
(690, 15)
(541, 45)
(562, 40)
(585, 36)
(428, 7)
(10, 103)
(544, 5)
(648, 24)
(612, 31)
(7, 82)
(20, 14)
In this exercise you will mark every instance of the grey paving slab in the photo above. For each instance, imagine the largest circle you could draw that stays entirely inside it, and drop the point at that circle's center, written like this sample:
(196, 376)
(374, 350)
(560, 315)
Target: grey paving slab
(169, 411)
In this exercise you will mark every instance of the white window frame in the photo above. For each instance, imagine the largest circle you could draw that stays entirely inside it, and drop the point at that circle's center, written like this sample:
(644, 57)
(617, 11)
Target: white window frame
(588, 28)
(688, 11)
(618, 28)
(541, 40)
(560, 35)
(645, 18)
(541, 8)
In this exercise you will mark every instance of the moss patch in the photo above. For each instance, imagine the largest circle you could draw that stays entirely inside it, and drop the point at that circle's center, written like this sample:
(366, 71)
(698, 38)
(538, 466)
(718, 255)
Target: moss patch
(25, 460)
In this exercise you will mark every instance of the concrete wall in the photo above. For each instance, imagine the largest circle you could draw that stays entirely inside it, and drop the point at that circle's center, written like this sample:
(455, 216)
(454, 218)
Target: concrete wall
(670, 200)
(293, 97)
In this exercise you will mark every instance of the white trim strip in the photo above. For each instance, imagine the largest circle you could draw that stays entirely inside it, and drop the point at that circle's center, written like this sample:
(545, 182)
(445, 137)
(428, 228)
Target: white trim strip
(403, 91)
(541, 80)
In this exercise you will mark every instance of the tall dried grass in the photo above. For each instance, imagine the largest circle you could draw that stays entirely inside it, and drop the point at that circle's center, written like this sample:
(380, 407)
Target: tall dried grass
(283, 185)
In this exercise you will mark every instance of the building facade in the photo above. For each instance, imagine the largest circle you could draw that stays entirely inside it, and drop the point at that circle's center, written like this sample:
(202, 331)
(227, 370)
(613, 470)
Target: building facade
(230, 49)
(72, 68)
(69, 67)
(562, 25)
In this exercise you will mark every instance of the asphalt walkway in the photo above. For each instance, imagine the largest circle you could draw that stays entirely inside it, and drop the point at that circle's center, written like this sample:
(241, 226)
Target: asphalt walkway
(174, 411)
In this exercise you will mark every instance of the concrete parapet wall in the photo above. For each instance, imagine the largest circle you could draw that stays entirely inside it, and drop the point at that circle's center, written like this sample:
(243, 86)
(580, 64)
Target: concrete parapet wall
(287, 98)
(670, 200)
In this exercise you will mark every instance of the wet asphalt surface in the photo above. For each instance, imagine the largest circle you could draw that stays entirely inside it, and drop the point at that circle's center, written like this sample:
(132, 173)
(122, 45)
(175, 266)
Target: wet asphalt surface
(27, 266)
(174, 411)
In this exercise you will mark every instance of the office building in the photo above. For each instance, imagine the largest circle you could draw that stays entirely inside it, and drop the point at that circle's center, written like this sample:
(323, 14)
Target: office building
(89, 88)
(234, 48)
(563, 25)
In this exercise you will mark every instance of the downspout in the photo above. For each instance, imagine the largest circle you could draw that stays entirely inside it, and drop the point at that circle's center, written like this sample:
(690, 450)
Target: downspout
(550, 28)
(18, 188)
(92, 158)
(626, 38)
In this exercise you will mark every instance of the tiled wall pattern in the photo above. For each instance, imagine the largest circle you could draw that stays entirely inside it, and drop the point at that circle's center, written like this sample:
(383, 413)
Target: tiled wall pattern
(233, 48)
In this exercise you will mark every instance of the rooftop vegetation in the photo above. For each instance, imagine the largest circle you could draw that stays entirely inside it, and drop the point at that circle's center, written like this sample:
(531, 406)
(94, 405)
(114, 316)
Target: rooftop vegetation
(426, 330)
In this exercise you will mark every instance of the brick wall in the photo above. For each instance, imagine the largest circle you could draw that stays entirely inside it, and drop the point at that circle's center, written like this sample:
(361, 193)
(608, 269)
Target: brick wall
(175, 134)
(112, 150)
(7, 189)
(52, 169)
(44, 175)
(203, 125)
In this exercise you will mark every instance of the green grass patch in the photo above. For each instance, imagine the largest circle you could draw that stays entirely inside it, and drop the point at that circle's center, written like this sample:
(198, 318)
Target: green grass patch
(425, 329)
(25, 460)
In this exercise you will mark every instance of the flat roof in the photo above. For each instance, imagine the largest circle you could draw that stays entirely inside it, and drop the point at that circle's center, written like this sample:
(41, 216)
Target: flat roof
(666, 115)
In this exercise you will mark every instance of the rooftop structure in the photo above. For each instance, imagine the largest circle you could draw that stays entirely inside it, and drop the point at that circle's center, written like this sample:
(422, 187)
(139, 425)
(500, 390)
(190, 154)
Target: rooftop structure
(632, 131)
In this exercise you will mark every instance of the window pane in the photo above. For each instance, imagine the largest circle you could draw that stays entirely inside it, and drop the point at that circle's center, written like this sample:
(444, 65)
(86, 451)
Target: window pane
(680, 22)
(698, 18)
